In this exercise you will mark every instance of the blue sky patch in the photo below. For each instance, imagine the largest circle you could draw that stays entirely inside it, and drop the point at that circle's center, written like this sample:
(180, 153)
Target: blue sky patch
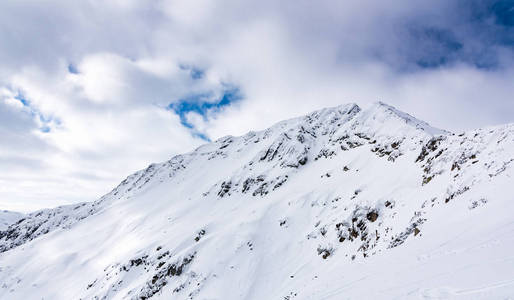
(503, 12)
(72, 69)
(202, 104)
(35, 113)
(22, 99)
(194, 72)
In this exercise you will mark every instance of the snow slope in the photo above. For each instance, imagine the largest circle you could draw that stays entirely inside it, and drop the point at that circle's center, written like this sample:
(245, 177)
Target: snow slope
(343, 203)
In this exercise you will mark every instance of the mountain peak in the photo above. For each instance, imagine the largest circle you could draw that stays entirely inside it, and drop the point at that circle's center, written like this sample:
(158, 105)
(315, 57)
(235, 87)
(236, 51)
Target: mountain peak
(385, 109)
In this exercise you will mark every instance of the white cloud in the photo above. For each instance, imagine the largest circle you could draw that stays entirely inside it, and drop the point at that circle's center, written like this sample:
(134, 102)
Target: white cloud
(286, 58)
(102, 77)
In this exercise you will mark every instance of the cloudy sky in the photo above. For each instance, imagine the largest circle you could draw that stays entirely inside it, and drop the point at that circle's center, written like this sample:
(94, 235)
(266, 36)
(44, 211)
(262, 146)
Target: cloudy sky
(93, 90)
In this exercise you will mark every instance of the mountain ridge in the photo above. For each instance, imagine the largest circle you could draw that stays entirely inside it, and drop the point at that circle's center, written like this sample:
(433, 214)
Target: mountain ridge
(340, 185)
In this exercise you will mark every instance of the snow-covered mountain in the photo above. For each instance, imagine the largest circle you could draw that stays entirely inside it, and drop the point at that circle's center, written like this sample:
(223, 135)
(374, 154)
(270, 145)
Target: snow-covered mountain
(342, 203)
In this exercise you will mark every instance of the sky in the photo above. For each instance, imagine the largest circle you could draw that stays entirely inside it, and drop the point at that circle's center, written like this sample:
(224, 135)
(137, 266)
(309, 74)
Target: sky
(94, 90)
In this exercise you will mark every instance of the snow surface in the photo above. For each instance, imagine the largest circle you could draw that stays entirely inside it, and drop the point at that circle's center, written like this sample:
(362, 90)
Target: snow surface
(343, 203)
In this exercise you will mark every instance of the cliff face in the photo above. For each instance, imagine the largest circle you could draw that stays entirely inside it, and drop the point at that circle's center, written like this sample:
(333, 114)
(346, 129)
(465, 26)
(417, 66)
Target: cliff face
(341, 203)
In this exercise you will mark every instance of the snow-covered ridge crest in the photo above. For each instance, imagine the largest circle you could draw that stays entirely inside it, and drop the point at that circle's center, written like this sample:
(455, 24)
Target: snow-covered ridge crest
(334, 204)
(418, 124)
(294, 142)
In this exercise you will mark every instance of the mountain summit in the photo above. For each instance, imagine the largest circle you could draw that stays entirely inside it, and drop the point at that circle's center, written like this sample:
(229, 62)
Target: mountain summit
(342, 203)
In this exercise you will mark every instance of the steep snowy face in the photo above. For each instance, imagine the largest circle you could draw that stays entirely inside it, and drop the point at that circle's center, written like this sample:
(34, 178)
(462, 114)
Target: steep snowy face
(334, 204)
